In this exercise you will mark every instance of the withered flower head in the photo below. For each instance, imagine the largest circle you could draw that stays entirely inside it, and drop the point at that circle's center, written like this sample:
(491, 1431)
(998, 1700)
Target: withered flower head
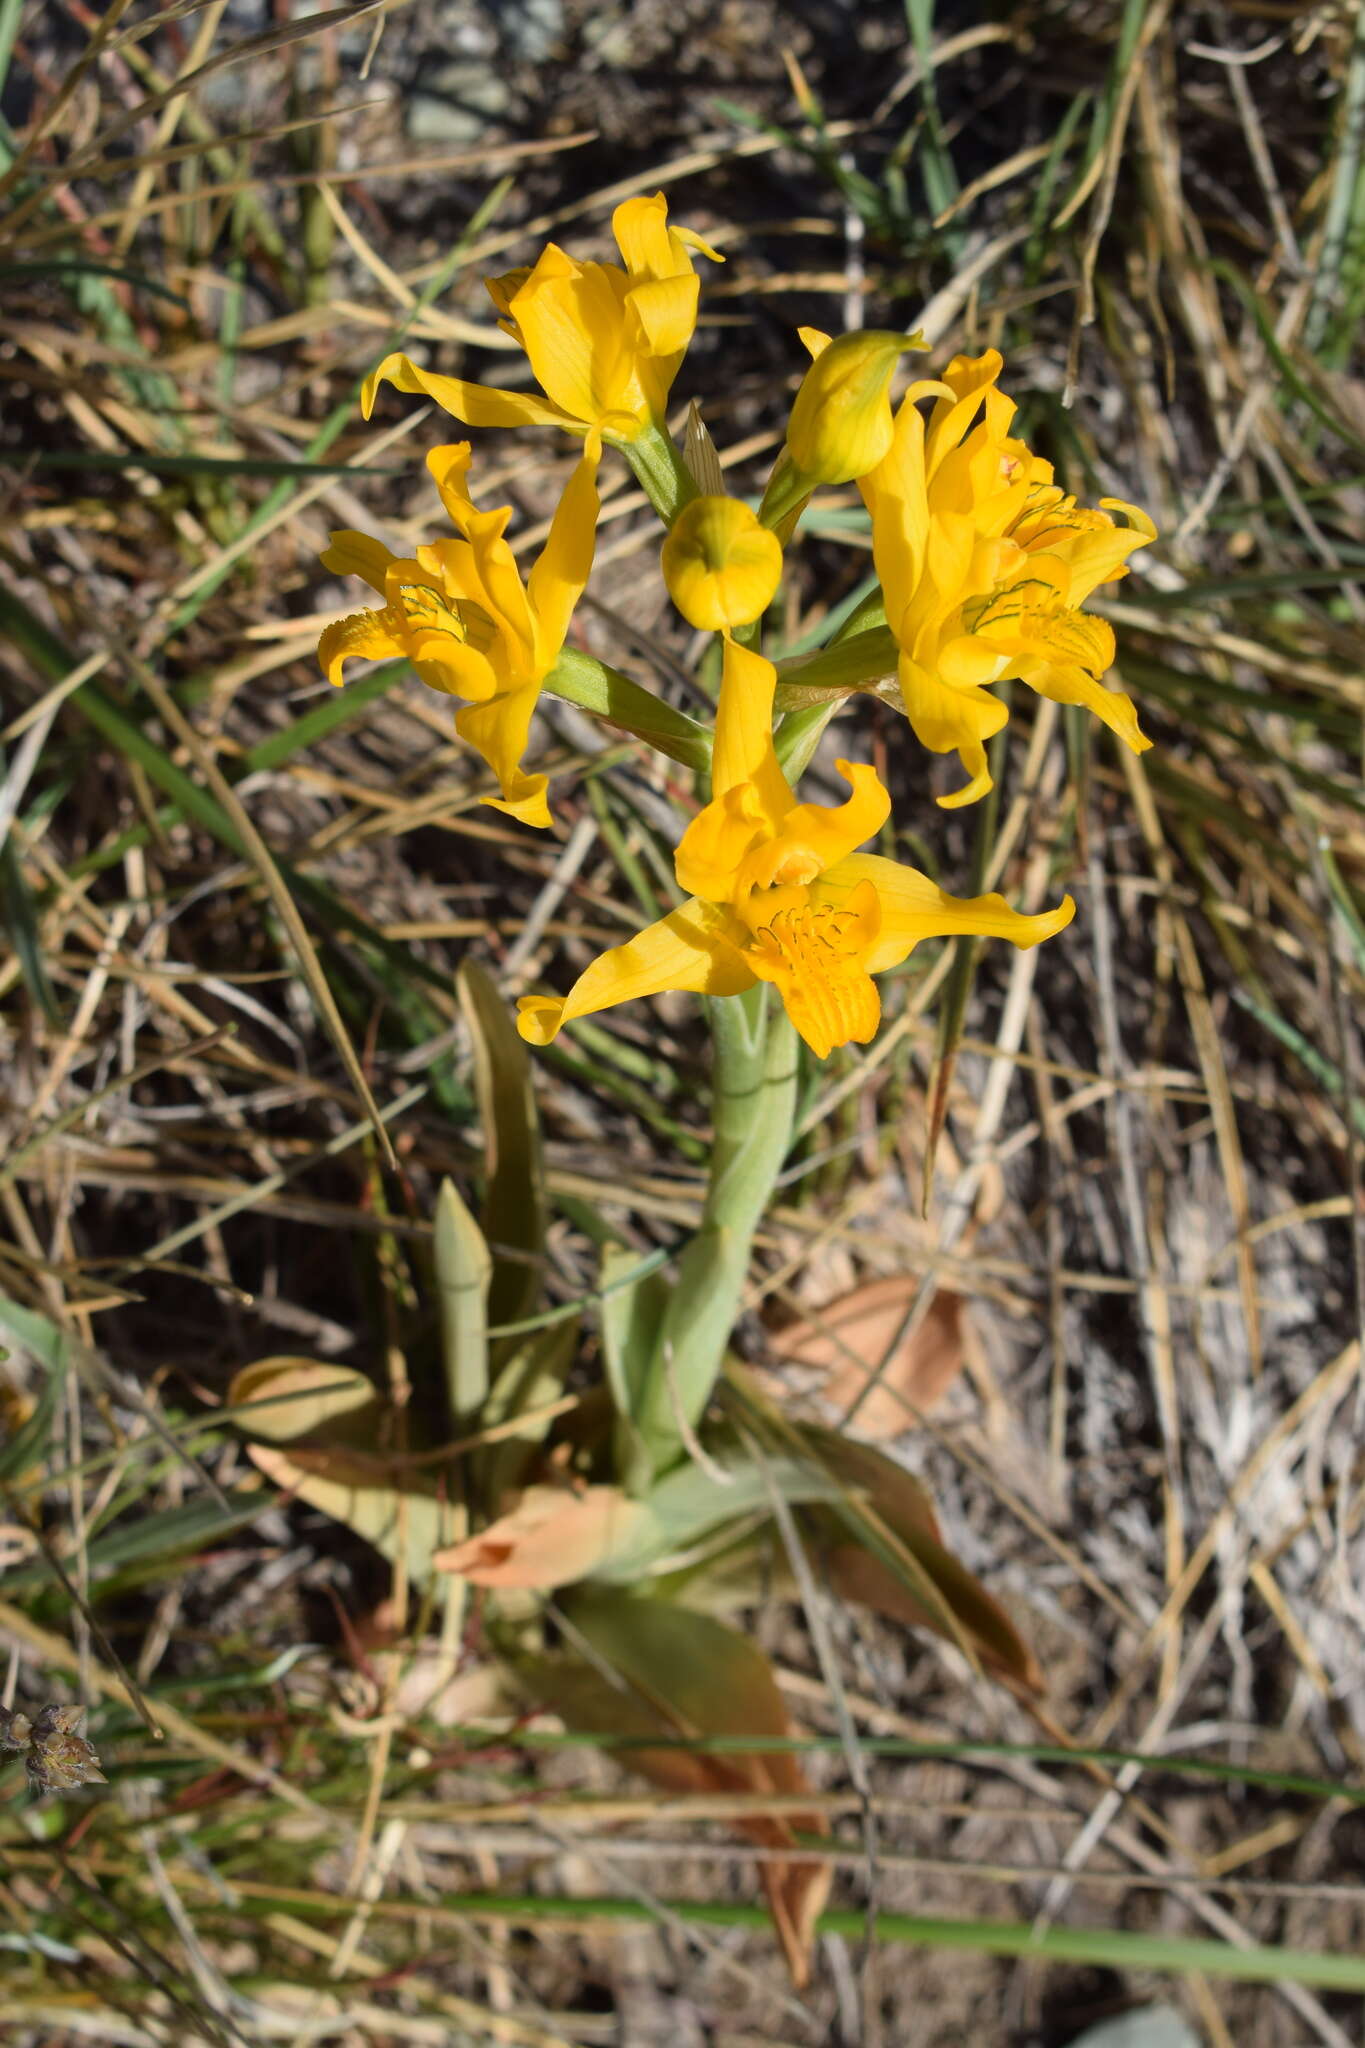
(57, 1758)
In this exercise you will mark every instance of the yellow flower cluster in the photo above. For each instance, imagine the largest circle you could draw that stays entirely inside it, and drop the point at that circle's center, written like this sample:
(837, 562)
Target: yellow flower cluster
(984, 566)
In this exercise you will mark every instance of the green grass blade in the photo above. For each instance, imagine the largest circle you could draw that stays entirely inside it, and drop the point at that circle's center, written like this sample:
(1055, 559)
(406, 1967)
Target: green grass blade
(1094, 1947)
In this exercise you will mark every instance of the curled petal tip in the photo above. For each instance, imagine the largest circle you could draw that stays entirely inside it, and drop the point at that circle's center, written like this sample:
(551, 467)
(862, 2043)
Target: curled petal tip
(979, 786)
(538, 1018)
(1045, 924)
(530, 808)
(369, 390)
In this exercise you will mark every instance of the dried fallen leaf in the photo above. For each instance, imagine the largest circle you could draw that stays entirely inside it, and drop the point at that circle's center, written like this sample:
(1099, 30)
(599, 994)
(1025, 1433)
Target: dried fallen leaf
(849, 1338)
(284, 1399)
(552, 1537)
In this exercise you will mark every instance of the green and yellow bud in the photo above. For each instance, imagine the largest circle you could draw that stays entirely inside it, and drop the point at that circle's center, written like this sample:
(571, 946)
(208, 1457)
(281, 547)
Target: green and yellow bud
(721, 567)
(840, 426)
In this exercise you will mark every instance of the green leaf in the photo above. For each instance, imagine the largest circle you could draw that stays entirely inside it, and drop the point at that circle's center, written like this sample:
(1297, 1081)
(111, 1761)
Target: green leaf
(632, 1314)
(401, 1512)
(121, 459)
(531, 1378)
(694, 1502)
(285, 1399)
(515, 1210)
(327, 1429)
(19, 920)
(857, 663)
(148, 1548)
(463, 1272)
(30, 1444)
(685, 1674)
(694, 1675)
(36, 1333)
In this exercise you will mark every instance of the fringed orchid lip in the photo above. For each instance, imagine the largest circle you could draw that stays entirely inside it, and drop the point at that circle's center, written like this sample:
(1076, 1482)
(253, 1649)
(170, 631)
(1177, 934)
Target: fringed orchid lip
(817, 957)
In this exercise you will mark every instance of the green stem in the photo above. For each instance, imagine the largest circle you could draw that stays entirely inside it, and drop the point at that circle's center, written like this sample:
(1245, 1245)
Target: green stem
(754, 1081)
(660, 471)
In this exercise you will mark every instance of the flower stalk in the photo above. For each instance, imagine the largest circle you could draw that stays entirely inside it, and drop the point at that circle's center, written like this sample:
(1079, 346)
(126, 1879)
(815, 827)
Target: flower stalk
(754, 1070)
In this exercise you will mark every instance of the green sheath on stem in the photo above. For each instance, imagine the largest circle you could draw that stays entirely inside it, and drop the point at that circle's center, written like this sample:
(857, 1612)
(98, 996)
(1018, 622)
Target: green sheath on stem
(754, 1097)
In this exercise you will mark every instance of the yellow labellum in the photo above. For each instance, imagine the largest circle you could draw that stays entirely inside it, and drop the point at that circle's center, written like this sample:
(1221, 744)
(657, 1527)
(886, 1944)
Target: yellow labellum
(777, 892)
(721, 567)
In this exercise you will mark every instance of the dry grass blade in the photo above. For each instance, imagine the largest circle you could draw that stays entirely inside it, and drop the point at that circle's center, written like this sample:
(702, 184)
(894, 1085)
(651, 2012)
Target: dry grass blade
(278, 891)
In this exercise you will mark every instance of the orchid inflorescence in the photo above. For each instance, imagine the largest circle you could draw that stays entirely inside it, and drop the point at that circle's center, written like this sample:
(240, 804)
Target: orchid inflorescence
(984, 566)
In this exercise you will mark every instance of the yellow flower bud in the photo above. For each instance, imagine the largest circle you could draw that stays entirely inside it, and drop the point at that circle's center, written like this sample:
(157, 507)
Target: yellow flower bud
(720, 565)
(840, 425)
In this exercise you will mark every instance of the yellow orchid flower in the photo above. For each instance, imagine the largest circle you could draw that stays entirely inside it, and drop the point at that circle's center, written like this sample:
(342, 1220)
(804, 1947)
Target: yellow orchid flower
(459, 612)
(985, 564)
(777, 893)
(605, 343)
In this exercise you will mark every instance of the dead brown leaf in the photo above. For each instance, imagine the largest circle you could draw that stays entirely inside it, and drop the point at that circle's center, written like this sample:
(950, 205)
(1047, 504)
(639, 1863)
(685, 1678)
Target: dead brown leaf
(688, 1675)
(552, 1537)
(849, 1338)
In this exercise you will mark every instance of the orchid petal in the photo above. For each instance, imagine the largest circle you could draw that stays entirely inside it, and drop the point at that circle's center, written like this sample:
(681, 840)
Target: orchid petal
(569, 316)
(813, 837)
(914, 908)
(715, 845)
(361, 636)
(743, 750)
(477, 405)
(968, 378)
(1066, 684)
(947, 720)
(357, 554)
(498, 729)
(664, 313)
(649, 247)
(560, 575)
(693, 948)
